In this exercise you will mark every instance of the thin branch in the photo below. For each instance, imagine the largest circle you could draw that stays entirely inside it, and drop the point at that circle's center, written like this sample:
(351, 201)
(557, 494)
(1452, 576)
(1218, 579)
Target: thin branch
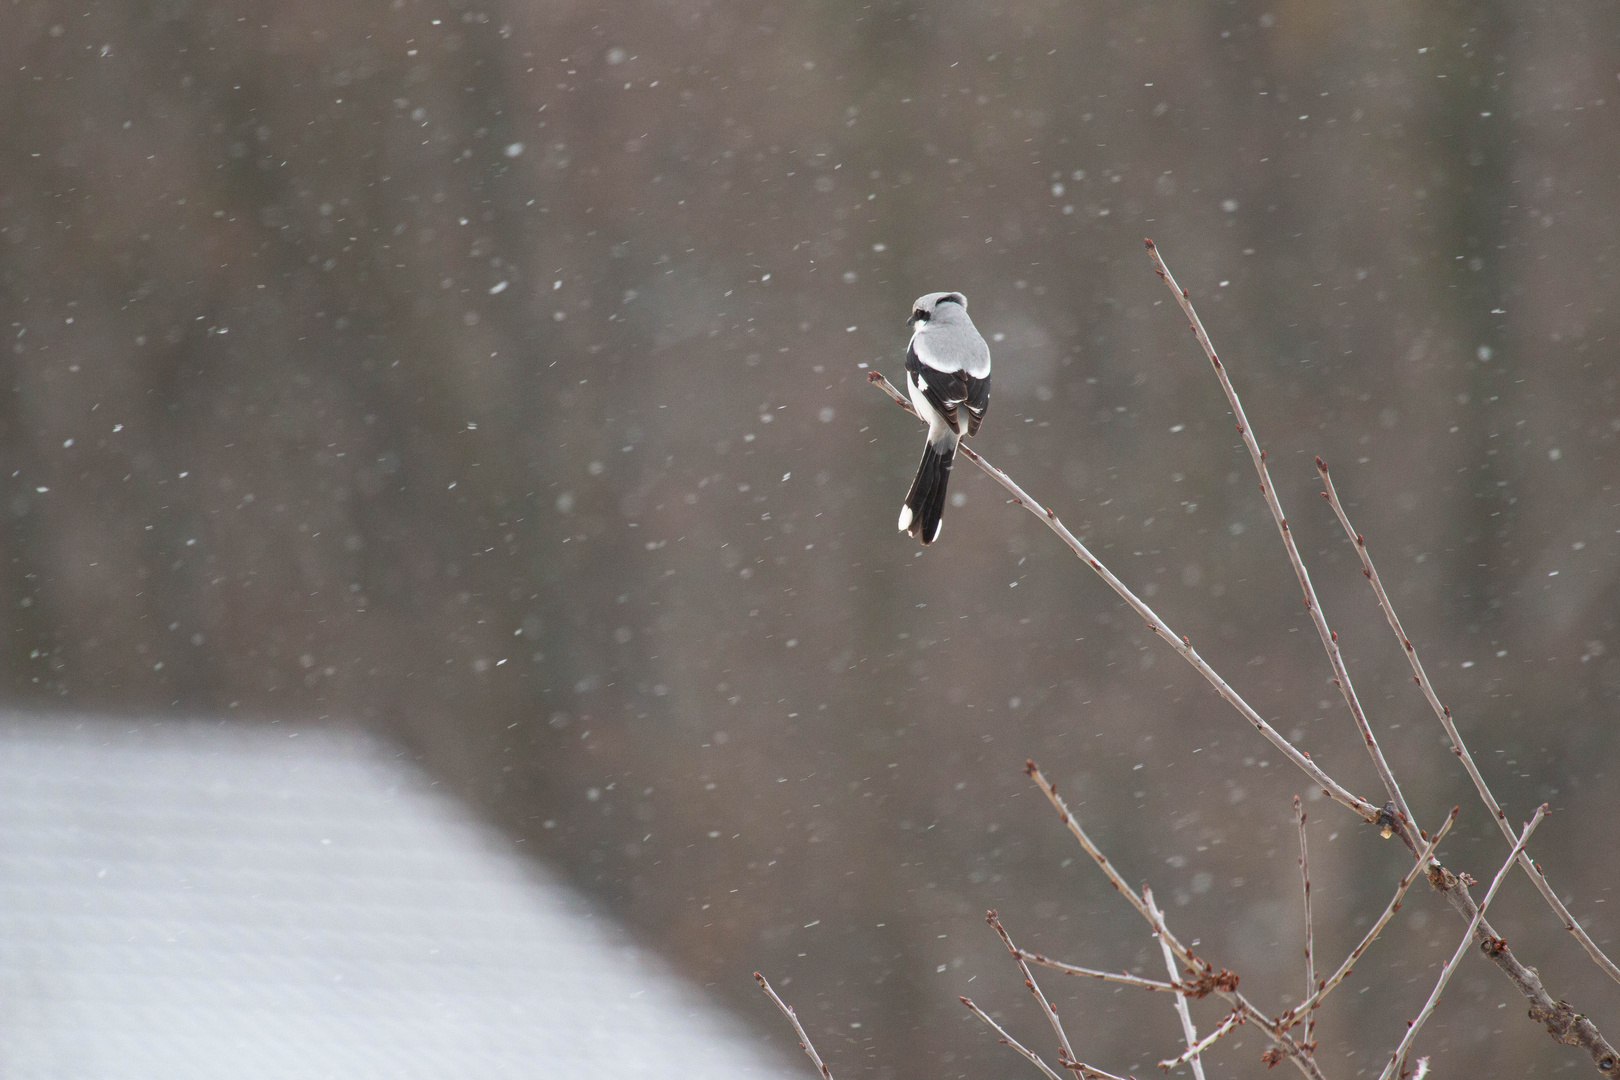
(1223, 984)
(1034, 988)
(1079, 1068)
(1232, 1020)
(1330, 640)
(1310, 960)
(1050, 790)
(1563, 1022)
(1458, 747)
(1122, 977)
(1008, 1040)
(793, 1018)
(1338, 793)
(1450, 967)
(1314, 1000)
(1188, 1031)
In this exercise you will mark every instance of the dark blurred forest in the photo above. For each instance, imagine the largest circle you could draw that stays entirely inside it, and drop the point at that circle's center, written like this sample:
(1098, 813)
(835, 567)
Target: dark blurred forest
(493, 376)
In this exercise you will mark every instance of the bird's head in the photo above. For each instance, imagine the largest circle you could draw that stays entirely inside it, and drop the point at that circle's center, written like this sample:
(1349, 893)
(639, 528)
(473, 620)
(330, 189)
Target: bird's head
(936, 305)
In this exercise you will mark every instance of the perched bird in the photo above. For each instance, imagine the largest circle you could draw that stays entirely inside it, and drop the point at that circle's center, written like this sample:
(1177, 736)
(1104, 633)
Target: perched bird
(947, 369)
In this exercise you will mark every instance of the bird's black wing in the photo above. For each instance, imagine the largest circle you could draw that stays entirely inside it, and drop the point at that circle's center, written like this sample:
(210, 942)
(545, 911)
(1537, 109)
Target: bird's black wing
(944, 390)
(978, 402)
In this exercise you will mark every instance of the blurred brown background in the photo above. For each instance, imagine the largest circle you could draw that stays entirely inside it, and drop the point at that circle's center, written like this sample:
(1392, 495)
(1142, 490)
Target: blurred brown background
(492, 376)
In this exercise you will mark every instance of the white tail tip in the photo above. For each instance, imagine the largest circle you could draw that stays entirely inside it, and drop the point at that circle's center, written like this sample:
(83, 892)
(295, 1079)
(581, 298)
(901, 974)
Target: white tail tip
(905, 518)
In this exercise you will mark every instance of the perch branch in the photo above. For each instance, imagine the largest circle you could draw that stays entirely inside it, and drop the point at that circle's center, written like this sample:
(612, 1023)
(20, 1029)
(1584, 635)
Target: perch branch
(1335, 790)
(804, 1040)
(1450, 967)
(1458, 747)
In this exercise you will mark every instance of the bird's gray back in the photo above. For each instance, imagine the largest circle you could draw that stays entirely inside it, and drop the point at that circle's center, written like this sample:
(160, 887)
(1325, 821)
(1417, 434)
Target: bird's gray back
(952, 343)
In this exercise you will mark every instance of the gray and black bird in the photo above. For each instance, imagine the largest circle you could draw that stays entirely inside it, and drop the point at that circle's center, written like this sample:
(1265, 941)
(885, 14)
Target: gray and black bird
(947, 374)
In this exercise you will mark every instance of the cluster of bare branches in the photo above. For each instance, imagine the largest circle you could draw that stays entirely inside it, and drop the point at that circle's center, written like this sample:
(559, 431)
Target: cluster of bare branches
(1291, 1034)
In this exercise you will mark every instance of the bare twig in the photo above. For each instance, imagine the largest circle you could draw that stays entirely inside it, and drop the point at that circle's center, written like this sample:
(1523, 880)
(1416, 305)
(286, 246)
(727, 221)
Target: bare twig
(1122, 977)
(1232, 1020)
(1008, 1040)
(1223, 984)
(1458, 747)
(804, 1040)
(1034, 988)
(1311, 1002)
(1450, 967)
(1188, 1031)
(1310, 961)
(1051, 792)
(1330, 640)
(1079, 1068)
(1563, 1022)
(1182, 645)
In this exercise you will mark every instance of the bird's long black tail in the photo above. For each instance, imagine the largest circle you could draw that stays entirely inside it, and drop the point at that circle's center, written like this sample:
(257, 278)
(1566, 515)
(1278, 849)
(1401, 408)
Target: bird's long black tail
(925, 503)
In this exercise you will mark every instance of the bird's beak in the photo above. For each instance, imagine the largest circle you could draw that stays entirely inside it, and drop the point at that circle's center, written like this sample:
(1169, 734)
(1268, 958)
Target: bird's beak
(913, 320)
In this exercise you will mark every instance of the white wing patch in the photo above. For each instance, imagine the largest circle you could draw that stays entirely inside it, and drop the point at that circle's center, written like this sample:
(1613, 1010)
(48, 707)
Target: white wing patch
(938, 429)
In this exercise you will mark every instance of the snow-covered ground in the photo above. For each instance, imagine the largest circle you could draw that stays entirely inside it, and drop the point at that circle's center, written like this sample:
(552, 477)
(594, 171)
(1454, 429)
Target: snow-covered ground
(216, 900)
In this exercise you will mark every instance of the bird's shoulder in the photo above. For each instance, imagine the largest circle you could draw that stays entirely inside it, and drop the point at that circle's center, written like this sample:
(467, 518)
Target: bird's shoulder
(957, 346)
(932, 350)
